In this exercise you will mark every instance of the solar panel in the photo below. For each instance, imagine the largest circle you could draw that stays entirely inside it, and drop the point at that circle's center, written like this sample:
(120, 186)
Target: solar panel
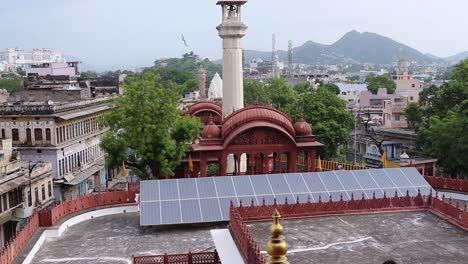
(195, 200)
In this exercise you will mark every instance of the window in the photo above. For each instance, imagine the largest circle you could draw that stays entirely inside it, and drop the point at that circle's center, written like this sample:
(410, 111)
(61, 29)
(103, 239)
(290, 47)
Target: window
(29, 198)
(15, 134)
(47, 134)
(28, 135)
(38, 134)
(413, 85)
(49, 185)
(411, 98)
(5, 201)
(43, 192)
(3, 133)
(36, 195)
(397, 118)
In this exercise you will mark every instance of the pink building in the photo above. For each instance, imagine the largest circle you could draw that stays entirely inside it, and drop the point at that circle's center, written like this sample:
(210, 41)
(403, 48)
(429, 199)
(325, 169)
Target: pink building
(54, 69)
(391, 105)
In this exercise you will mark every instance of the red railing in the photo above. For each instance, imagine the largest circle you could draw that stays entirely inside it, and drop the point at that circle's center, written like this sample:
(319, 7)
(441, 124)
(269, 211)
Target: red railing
(19, 241)
(447, 183)
(50, 217)
(452, 213)
(190, 258)
(299, 210)
(246, 245)
(249, 249)
(134, 186)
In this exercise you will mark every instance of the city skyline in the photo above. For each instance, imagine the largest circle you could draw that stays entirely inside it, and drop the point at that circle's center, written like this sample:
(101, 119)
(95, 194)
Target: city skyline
(117, 33)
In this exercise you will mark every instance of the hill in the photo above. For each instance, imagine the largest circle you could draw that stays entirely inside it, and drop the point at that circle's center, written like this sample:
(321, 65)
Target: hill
(457, 57)
(353, 47)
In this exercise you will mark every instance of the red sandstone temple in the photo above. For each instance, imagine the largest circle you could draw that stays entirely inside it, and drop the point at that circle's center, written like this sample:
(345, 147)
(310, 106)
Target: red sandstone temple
(262, 137)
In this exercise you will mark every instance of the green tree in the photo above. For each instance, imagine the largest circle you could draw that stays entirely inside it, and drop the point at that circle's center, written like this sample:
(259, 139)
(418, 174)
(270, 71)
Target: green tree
(302, 88)
(10, 82)
(442, 134)
(380, 81)
(414, 115)
(88, 74)
(331, 87)
(146, 131)
(446, 139)
(282, 95)
(255, 92)
(330, 120)
(274, 92)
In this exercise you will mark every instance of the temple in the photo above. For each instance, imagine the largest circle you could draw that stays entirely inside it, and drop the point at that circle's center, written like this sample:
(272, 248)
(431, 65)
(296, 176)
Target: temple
(243, 140)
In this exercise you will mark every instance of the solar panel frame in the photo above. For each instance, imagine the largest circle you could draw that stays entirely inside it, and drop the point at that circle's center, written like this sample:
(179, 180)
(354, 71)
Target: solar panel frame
(188, 189)
(176, 201)
(168, 190)
(260, 185)
(190, 211)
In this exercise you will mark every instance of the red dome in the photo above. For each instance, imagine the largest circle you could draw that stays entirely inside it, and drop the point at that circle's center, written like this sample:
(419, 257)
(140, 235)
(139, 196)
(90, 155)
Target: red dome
(211, 130)
(302, 128)
(254, 113)
(205, 106)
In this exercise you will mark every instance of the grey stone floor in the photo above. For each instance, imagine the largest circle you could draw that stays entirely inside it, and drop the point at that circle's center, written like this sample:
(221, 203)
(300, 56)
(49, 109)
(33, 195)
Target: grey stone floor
(113, 239)
(409, 237)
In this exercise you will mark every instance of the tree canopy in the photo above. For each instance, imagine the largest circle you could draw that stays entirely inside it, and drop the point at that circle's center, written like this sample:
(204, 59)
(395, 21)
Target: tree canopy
(331, 87)
(10, 82)
(442, 128)
(330, 120)
(374, 82)
(322, 108)
(190, 63)
(413, 115)
(146, 131)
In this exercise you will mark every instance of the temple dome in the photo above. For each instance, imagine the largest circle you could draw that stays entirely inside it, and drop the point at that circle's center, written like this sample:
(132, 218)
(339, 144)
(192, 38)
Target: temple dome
(257, 113)
(211, 131)
(302, 128)
(205, 106)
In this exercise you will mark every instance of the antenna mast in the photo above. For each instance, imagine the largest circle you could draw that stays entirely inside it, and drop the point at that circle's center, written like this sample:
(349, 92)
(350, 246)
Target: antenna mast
(274, 57)
(290, 58)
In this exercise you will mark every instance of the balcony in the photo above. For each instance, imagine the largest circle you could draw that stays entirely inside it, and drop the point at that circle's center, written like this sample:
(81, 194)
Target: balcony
(12, 166)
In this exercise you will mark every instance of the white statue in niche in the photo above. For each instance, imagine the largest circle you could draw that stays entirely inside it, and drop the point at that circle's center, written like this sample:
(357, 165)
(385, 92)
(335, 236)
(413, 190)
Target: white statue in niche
(232, 12)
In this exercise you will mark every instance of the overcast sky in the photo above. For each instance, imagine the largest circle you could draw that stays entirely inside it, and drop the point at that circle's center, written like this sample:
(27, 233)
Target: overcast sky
(136, 32)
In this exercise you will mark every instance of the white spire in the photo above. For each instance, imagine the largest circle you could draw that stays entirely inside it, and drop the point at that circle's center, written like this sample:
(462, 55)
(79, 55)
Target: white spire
(216, 87)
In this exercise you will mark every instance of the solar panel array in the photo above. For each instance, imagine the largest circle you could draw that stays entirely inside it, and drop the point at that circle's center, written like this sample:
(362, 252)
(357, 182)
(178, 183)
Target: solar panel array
(195, 200)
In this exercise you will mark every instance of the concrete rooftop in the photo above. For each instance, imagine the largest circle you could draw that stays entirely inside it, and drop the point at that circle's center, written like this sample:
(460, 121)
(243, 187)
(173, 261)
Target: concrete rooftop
(407, 237)
(114, 239)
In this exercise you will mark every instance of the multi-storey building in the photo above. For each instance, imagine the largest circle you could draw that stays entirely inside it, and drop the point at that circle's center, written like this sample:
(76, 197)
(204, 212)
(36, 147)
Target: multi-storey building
(66, 134)
(391, 106)
(22, 58)
(351, 92)
(23, 187)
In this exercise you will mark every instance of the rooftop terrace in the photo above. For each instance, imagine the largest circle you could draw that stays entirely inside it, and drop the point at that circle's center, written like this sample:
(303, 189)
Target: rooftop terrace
(409, 237)
(114, 239)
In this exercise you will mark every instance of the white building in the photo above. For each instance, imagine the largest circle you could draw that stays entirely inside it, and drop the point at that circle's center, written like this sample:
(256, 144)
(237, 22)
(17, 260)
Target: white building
(351, 93)
(22, 58)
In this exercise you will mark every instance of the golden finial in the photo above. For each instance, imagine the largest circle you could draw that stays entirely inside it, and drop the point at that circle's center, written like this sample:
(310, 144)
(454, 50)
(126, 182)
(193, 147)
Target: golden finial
(277, 247)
